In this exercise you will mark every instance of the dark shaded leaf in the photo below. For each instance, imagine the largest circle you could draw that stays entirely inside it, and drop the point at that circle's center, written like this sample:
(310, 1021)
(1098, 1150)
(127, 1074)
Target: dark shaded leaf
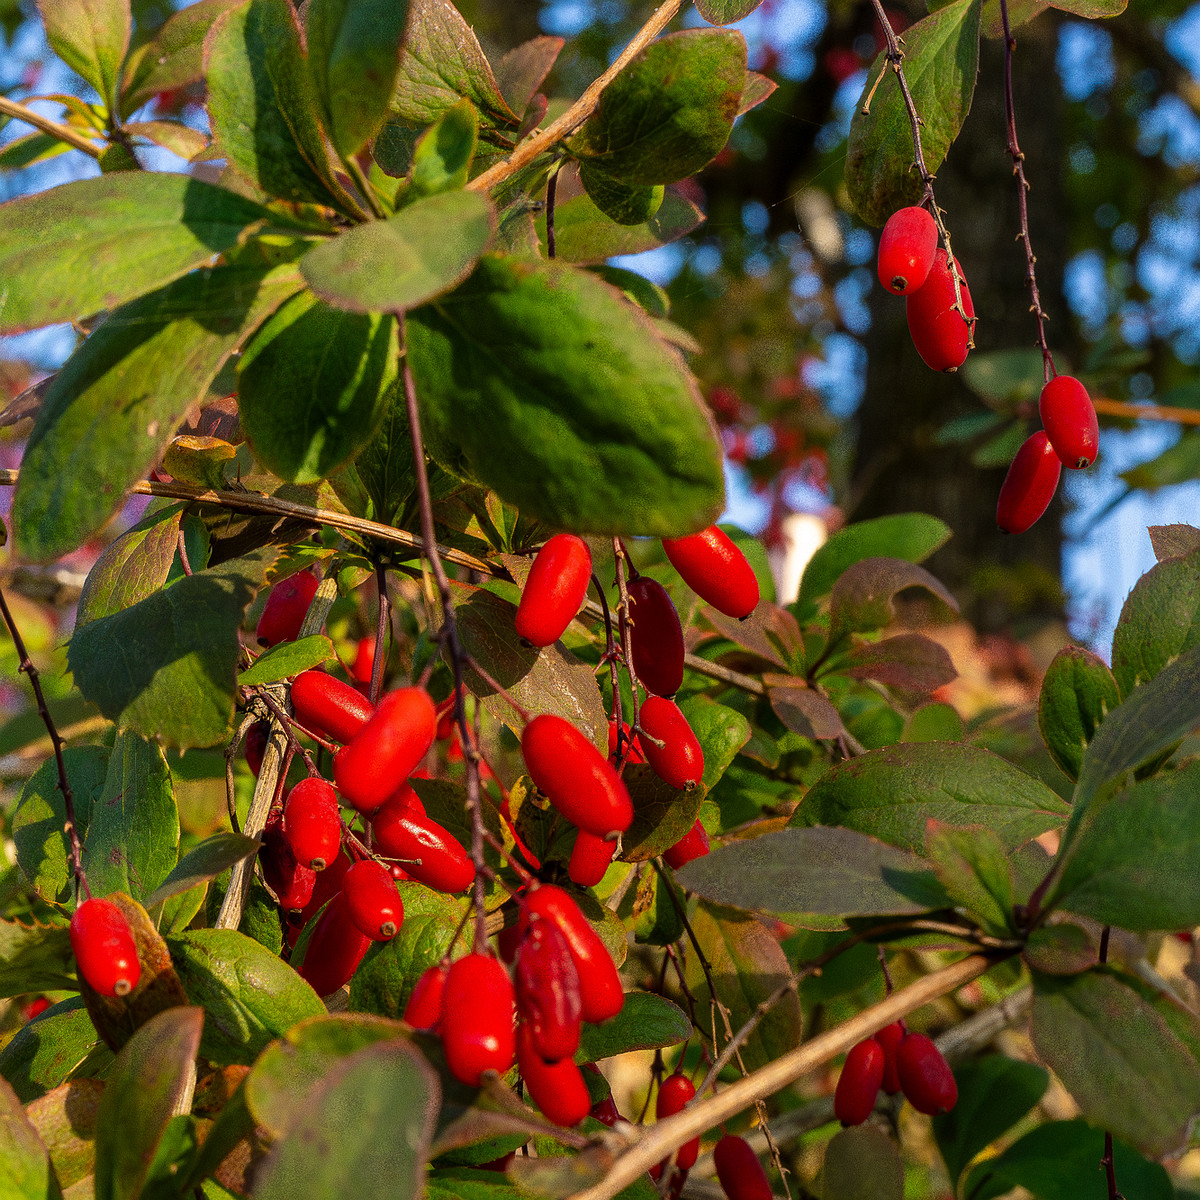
(202, 863)
(910, 661)
(1173, 541)
(65, 1119)
(1063, 948)
(861, 600)
(1078, 692)
(523, 69)
(618, 201)
(769, 632)
(661, 814)
(34, 958)
(25, 1170)
(974, 870)
(805, 711)
(862, 1163)
(43, 1052)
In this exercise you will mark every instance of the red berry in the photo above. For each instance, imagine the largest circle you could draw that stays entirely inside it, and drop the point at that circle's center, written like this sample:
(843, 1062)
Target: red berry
(576, 777)
(286, 608)
(375, 906)
(329, 706)
(312, 823)
(740, 1173)
(890, 1037)
(656, 637)
(858, 1084)
(907, 247)
(1069, 418)
(673, 1095)
(35, 1008)
(334, 950)
(477, 1018)
(693, 844)
(105, 951)
(257, 737)
(1030, 484)
(925, 1075)
(940, 335)
(716, 570)
(290, 880)
(557, 1088)
(554, 590)
(327, 885)
(590, 858)
(679, 761)
(599, 983)
(424, 1008)
(364, 660)
(548, 991)
(432, 855)
(387, 749)
(628, 743)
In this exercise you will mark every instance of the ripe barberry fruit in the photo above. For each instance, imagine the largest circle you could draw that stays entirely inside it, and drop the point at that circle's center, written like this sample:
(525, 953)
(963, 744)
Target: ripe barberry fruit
(890, 1037)
(606, 1111)
(290, 880)
(256, 745)
(554, 590)
(432, 854)
(424, 1008)
(907, 247)
(286, 608)
(679, 760)
(939, 333)
(1030, 484)
(858, 1084)
(1069, 419)
(477, 1018)
(925, 1076)
(656, 637)
(557, 1088)
(548, 991)
(387, 749)
(328, 706)
(105, 951)
(576, 777)
(375, 906)
(716, 570)
(739, 1172)
(334, 950)
(629, 744)
(674, 1093)
(693, 844)
(590, 858)
(312, 823)
(364, 660)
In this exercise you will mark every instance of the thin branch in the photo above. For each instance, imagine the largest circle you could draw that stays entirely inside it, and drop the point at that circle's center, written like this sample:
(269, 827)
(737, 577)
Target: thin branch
(382, 626)
(64, 133)
(1147, 412)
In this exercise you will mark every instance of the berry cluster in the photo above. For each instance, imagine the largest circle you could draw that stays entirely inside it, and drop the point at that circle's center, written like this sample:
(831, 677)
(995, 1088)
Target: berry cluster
(896, 1061)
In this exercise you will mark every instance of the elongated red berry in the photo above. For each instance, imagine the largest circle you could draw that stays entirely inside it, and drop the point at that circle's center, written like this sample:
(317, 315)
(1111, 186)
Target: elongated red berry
(674, 1093)
(477, 1018)
(656, 637)
(606, 1111)
(364, 660)
(334, 950)
(716, 570)
(678, 760)
(1069, 419)
(557, 1088)
(907, 247)
(554, 590)
(105, 951)
(291, 880)
(590, 858)
(858, 1084)
(576, 777)
(693, 844)
(375, 906)
(939, 333)
(312, 823)
(548, 991)
(329, 706)
(633, 753)
(424, 1008)
(599, 983)
(925, 1076)
(432, 854)
(387, 749)
(739, 1172)
(286, 608)
(890, 1037)
(1030, 484)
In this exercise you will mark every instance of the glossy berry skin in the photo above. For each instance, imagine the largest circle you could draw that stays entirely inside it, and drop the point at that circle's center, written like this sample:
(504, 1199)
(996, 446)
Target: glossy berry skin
(557, 1088)
(940, 335)
(312, 823)
(656, 637)
(590, 858)
(599, 984)
(438, 859)
(375, 906)
(858, 1085)
(925, 1076)
(477, 1018)
(548, 991)
(693, 844)
(679, 761)
(606, 1111)
(387, 749)
(554, 590)
(907, 247)
(716, 570)
(1069, 419)
(334, 950)
(741, 1175)
(673, 1095)
(328, 706)
(286, 608)
(890, 1037)
(105, 951)
(424, 1008)
(576, 777)
(1030, 484)
(364, 660)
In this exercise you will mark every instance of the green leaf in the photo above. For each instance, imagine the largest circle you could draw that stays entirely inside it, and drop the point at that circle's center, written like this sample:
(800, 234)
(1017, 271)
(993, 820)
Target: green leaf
(661, 813)
(1005, 378)
(34, 958)
(583, 234)
(645, 1022)
(975, 871)
(203, 862)
(167, 667)
(1078, 692)
(994, 1093)
(312, 385)
(1179, 463)
(646, 294)
(248, 994)
(423, 251)
(25, 1169)
(909, 661)
(862, 1163)
(1022, 11)
(626, 204)
(467, 1183)
(65, 1119)
(354, 58)
(721, 732)
(1128, 1072)
(941, 59)
(892, 794)
(120, 396)
(24, 151)
(97, 243)
(365, 1133)
(725, 12)
(823, 870)
(861, 600)
(935, 722)
(1063, 948)
(544, 383)
(91, 37)
(133, 837)
(288, 658)
(442, 156)
(669, 112)
(48, 1049)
